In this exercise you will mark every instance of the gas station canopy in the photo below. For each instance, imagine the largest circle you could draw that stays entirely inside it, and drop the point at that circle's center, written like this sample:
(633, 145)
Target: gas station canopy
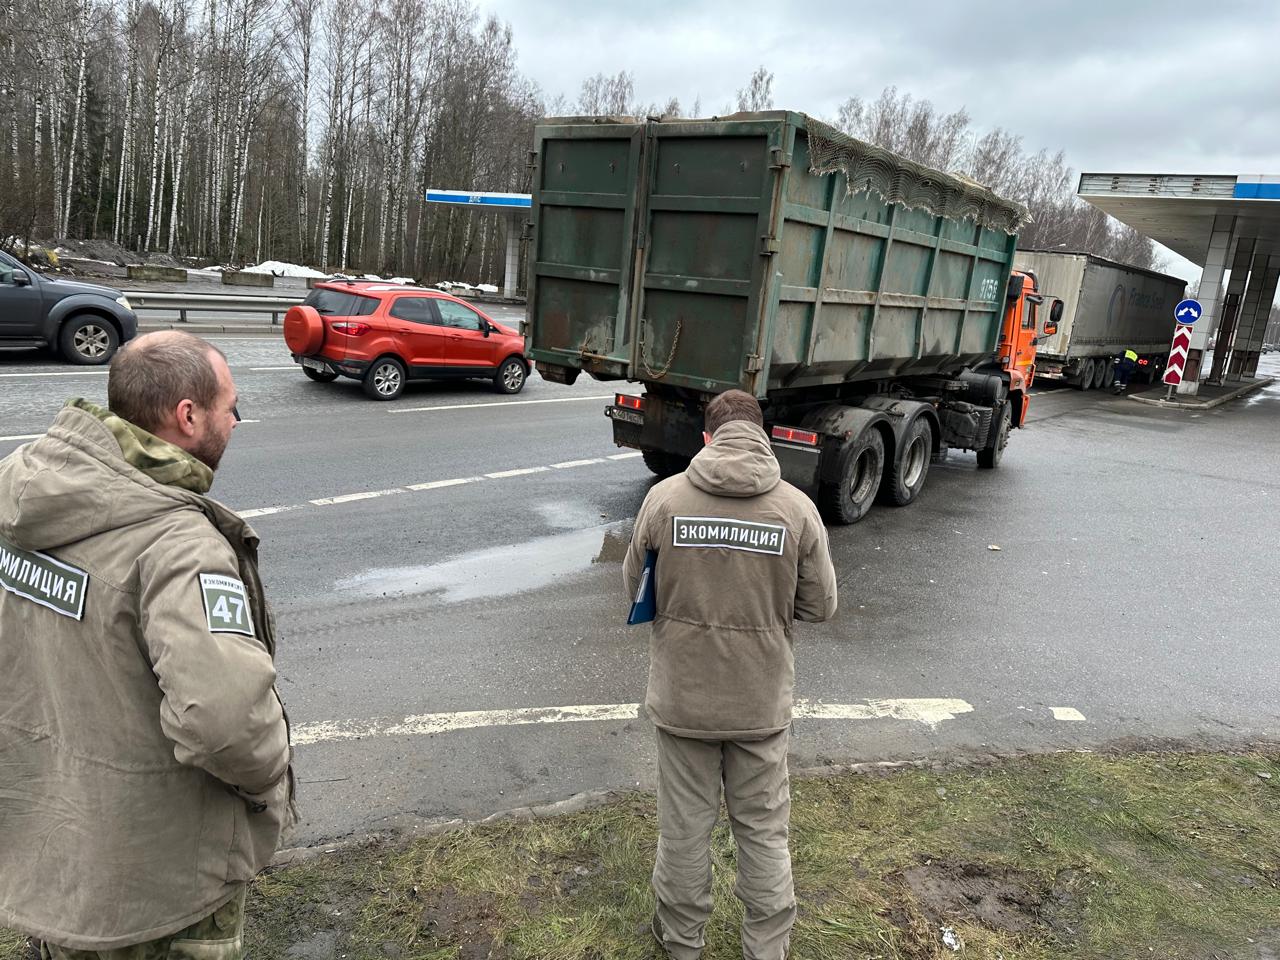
(1230, 226)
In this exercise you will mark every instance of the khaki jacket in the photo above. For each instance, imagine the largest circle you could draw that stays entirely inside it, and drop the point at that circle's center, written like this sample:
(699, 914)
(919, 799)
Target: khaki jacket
(144, 752)
(741, 553)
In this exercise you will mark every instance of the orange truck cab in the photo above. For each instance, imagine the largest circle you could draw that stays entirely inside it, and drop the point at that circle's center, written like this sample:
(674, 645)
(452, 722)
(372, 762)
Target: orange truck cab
(1019, 335)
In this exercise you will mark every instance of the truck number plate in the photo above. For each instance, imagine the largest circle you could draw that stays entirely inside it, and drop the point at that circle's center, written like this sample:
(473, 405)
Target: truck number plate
(627, 416)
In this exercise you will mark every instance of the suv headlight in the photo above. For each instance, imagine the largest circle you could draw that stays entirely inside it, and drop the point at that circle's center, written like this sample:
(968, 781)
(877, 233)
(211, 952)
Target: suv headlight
(124, 302)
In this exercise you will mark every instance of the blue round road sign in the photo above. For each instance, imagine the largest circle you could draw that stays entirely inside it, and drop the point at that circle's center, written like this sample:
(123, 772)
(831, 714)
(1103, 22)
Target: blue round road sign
(1187, 311)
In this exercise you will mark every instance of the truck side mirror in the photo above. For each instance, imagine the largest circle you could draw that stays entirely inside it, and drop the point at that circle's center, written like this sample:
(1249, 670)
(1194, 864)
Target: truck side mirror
(1014, 290)
(1055, 316)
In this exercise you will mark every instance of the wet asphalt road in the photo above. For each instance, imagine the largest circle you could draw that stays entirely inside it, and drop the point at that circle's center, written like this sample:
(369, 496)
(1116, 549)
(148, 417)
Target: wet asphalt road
(1134, 584)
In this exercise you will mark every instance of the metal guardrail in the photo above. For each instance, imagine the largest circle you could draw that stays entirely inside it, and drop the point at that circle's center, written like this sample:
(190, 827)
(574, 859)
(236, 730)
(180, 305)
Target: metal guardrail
(187, 303)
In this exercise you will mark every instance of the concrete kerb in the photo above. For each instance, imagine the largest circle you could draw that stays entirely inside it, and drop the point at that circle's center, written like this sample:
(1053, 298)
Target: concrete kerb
(407, 827)
(1242, 390)
(410, 827)
(216, 329)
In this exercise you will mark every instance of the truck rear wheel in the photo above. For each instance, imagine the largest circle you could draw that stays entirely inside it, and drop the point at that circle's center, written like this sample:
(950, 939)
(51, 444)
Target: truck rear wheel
(1088, 370)
(990, 456)
(862, 467)
(904, 478)
(664, 464)
(1102, 378)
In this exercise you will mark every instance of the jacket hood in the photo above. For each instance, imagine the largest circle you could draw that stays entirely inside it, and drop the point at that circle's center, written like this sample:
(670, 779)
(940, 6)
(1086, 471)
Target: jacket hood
(739, 462)
(74, 483)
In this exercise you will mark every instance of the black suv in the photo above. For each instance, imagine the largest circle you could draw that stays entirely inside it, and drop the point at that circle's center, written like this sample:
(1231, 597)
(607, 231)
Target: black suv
(85, 322)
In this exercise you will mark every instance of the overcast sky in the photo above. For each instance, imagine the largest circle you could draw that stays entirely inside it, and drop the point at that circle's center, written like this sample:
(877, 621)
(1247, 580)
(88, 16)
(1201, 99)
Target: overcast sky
(1119, 86)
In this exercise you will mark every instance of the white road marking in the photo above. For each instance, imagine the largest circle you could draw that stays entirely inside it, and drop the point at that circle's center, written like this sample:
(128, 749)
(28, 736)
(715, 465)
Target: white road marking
(927, 711)
(500, 403)
(265, 511)
(249, 421)
(23, 436)
(352, 497)
(504, 474)
(429, 485)
(438, 484)
(1068, 714)
(626, 456)
(57, 373)
(265, 369)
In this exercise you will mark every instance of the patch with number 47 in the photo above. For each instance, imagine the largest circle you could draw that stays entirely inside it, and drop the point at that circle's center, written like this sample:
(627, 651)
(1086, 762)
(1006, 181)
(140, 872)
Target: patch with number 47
(226, 605)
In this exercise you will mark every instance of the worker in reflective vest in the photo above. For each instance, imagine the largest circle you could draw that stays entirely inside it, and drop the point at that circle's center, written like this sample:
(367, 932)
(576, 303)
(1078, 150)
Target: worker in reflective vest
(1124, 370)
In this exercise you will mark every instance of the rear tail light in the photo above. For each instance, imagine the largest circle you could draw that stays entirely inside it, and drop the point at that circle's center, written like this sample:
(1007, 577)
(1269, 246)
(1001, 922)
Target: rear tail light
(628, 401)
(1143, 362)
(791, 435)
(350, 327)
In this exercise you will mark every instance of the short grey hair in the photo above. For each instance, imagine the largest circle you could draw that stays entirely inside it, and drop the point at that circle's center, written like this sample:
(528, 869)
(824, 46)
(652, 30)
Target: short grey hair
(153, 374)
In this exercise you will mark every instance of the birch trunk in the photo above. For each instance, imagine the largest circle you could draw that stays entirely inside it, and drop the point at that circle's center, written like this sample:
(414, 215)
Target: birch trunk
(75, 142)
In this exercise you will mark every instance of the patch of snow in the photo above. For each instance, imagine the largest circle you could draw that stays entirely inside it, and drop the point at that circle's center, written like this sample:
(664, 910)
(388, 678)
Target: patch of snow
(278, 268)
(487, 288)
(406, 281)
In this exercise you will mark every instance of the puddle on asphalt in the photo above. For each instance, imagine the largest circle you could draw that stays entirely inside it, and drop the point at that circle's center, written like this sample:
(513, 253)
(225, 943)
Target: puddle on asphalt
(500, 571)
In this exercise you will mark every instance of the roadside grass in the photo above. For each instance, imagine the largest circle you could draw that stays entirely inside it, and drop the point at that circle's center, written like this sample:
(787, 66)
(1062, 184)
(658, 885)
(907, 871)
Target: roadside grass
(1168, 855)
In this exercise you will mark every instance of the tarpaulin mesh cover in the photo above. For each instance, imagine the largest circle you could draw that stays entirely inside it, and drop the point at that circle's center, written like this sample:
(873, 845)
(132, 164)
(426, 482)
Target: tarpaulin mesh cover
(871, 169)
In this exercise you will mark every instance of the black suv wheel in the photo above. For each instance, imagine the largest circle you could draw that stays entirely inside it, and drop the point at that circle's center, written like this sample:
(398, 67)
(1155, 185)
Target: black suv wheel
(88, 340)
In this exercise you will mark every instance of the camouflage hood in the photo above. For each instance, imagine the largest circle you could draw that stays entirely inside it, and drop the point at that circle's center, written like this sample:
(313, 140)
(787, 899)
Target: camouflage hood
(92, 473)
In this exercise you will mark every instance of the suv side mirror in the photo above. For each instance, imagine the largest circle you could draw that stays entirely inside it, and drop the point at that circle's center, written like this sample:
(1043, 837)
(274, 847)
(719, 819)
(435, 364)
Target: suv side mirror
(486, 327)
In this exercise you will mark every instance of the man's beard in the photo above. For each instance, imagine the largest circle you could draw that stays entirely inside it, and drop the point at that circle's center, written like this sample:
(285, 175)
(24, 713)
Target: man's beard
(209, 451)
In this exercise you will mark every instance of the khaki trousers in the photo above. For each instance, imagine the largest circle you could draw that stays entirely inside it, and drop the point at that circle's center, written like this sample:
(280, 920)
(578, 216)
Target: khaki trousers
(219, 936)
(757, 793)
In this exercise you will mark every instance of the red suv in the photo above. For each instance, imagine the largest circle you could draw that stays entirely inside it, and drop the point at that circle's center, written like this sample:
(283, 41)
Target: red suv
(385, 334)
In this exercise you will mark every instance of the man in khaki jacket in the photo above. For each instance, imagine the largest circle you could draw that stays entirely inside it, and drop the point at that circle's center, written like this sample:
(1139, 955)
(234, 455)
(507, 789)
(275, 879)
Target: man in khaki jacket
(740, 554)
(144, 751)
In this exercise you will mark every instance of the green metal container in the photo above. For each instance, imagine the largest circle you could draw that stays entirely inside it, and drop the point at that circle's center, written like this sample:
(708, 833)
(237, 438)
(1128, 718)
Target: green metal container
(708, 254)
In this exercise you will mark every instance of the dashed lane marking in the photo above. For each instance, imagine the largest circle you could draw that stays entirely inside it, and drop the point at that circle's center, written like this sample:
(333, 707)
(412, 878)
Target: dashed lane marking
(264, 512)
(930, 712)
(56, 373)
(1068, 714)
(352, 497)
(523, 471)
(498, 403)
(430, 485)
(23, 436)
(626, 456)
(440, 484)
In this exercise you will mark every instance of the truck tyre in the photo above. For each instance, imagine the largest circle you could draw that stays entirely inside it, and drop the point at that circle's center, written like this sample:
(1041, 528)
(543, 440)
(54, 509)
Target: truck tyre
(904, 478)
(1088, 370)
(1103, 377)
(88, 340)
(862, 466)
(989, 457)
(664, 464)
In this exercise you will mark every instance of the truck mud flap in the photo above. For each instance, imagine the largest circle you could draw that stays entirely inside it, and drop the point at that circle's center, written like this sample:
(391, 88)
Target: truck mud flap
(799, 466)
(627, 426)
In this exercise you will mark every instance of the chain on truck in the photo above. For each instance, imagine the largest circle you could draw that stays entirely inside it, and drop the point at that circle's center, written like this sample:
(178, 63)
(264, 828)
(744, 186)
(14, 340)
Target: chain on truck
(868, 302)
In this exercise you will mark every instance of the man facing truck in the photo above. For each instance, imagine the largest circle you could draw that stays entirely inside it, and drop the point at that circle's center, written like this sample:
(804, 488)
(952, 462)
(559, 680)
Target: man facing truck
(740, 554)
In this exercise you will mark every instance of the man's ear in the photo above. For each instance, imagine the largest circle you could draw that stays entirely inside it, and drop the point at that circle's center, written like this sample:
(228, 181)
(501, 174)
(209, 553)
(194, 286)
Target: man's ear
(185, 414)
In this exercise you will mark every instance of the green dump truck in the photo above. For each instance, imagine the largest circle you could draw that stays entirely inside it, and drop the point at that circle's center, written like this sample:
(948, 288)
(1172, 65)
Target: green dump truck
(859, 296)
